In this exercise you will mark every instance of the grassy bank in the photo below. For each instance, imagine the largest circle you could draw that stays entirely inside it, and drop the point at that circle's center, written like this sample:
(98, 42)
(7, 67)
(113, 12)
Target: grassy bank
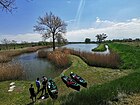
(100, 48)
(130, 55)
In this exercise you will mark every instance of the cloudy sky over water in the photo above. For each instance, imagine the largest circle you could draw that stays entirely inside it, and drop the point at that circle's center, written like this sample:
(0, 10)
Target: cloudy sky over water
(85, 18)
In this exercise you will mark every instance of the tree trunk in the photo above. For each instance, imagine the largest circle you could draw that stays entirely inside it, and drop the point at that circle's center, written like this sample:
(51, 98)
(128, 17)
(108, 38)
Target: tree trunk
(53, 42)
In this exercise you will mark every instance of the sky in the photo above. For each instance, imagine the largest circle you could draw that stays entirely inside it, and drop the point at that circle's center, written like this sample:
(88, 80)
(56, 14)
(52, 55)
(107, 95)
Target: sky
(119, 19)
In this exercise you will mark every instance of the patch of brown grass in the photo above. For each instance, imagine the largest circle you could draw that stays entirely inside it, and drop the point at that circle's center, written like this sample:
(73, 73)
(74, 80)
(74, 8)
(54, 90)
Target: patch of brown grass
(111, 60)
(60, 59)
(10, 71)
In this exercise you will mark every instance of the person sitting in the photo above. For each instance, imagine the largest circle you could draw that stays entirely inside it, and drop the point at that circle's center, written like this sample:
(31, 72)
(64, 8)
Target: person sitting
(32, 93)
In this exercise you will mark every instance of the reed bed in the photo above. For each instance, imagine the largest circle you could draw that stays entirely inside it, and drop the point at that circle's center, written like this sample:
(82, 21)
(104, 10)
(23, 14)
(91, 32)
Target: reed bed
(58, 58)
(111, 60)
(11, 71)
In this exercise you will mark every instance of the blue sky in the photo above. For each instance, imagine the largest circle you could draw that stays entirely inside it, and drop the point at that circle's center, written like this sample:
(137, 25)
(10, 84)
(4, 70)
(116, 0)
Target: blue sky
(85, 18)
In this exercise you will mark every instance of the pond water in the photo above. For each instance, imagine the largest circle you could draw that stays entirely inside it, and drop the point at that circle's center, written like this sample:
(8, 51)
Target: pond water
(86, 47)
(82, 47)
(35, 67)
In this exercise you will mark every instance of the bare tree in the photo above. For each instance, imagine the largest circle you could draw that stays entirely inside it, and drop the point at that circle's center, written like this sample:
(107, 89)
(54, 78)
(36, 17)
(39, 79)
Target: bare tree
(7, 5)
(50, 26)
(5, 42)
(101, 37)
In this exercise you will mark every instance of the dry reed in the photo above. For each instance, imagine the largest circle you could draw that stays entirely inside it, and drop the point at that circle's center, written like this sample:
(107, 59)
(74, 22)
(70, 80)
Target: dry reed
(61, 60)
(111, 60)
(11, 71)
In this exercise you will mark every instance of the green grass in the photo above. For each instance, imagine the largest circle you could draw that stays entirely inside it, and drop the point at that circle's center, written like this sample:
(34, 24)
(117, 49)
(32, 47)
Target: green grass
(130, 55)
(101, 94)
(100, 48)
(20, 96)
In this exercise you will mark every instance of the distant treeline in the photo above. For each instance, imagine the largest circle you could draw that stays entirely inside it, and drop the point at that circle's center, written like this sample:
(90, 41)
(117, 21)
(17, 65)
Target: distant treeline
(7, 46)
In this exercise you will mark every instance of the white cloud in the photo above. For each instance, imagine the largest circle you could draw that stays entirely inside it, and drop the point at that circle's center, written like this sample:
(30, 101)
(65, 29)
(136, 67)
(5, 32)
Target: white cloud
(29, 37)
(102, 23)
(114, 30)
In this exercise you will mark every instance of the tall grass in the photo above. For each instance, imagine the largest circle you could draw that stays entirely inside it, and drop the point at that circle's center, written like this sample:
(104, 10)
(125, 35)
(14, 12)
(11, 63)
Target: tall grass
(59, 59)
(11, 71)
(111, 60)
